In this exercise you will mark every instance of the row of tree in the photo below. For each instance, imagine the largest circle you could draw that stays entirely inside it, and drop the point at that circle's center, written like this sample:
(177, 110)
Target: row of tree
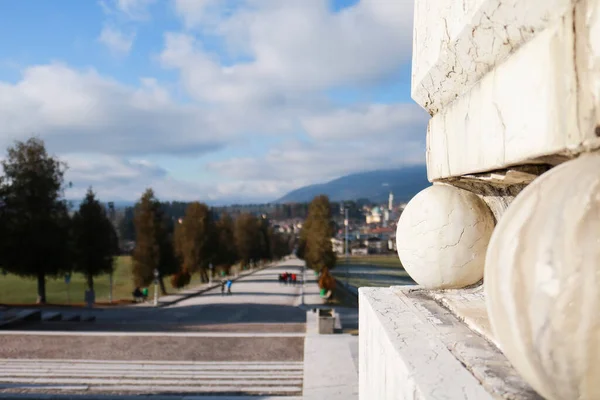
(39, 238)
(198, 241)
(276, 212)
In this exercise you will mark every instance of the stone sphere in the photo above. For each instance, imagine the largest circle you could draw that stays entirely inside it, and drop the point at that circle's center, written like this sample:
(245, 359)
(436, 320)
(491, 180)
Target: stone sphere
(442, 237)
(542, 281)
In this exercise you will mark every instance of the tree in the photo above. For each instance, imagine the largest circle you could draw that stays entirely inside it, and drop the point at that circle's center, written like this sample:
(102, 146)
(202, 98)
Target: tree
(33, 214)
(195, 240)
(246, 238)
(94, 240)
(263, 249)
(301, 248)
(226, 249)
(319, 253)
(154, 245)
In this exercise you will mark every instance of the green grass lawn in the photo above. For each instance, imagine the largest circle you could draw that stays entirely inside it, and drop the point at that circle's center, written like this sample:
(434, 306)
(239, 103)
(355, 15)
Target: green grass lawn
(18, 290)
(387, 260)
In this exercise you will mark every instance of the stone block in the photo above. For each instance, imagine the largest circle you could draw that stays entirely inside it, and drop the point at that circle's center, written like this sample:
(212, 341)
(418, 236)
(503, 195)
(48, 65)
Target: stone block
(326, 321)
(522, 112)
(410, 347)
(458, 42)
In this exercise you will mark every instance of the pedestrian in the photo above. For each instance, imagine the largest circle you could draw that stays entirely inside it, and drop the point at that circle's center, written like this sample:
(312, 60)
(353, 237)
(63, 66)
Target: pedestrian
(222, 288)
(229, 283)
(137, 294)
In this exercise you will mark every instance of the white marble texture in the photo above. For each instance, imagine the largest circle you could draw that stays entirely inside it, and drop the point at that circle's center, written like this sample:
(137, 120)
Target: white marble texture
(402, 354)
(587, 26)
(524, 109)
(442, 237)
(457, 42)
(542, 281)
(508, 82)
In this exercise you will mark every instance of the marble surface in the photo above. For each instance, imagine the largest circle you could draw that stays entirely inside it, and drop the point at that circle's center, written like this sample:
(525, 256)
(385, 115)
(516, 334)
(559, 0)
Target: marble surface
(542, 281)
(587, 45)
(410, 347)
(442, 237)
(523, 110)
(469, 306)
(457, 42)
(507, 82)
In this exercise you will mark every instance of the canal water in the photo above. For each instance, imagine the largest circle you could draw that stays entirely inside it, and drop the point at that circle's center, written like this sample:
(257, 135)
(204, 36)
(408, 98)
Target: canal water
(372, 275)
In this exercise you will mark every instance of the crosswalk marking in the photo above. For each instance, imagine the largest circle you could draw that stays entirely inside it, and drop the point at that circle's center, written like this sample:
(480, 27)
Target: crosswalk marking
(202, 377)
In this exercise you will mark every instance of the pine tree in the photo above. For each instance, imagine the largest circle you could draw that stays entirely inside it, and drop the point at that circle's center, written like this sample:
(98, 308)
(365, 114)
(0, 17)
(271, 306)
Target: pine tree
(94, 240)
(33, 214)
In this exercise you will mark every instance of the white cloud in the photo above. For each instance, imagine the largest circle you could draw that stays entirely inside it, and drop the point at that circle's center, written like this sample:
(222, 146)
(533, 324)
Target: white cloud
(298, 163)
(116, 41)
(76, 111)
(294, 47)
(196, 12)
(380, 121)
(135, 9)
(121, 179)
(280, 59)
(127, 9)
(121, 16)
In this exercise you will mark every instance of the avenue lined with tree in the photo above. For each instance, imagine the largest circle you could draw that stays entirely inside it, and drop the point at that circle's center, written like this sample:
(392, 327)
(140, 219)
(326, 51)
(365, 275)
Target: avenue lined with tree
(40, 239)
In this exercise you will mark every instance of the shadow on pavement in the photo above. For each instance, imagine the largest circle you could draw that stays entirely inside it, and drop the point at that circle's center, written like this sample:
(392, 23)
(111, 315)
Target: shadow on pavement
(260, 294)
(222, 317)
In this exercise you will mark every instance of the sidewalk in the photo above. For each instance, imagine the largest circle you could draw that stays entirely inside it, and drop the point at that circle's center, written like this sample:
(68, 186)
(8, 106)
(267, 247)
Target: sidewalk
(330, 361)
(164, 301)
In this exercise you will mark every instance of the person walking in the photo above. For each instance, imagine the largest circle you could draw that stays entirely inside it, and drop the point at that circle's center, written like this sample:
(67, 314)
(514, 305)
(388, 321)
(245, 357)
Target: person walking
(229, 283)
(222, 288)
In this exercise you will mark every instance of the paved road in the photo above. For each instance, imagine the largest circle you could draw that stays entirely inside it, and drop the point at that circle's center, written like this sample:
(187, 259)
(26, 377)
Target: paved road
(249, 342)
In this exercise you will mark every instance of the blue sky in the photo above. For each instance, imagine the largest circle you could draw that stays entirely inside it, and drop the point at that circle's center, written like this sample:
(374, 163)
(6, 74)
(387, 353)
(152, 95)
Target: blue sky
(212, 100)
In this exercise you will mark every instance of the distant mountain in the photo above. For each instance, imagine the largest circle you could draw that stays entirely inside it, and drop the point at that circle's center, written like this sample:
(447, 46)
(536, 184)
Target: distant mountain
(403, 182)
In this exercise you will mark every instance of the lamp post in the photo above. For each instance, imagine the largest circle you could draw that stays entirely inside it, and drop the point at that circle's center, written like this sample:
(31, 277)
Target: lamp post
(303, 281)
(155, 286)
(110, 287)
(346, 239)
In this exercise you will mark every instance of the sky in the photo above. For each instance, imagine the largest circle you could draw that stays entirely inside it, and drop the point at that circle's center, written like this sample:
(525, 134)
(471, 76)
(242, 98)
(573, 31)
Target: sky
(222, 101)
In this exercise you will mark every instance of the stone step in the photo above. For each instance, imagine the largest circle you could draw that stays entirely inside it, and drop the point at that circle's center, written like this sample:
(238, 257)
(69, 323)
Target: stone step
(116, 367)
(221, 374)
(147, 377)
(190, 381)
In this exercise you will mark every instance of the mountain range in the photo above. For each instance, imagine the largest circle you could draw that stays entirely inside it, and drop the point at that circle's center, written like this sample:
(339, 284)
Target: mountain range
(376, 186)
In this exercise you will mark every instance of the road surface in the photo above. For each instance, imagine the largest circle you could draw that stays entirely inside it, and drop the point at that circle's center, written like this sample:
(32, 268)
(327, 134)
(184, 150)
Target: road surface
(249, 342)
